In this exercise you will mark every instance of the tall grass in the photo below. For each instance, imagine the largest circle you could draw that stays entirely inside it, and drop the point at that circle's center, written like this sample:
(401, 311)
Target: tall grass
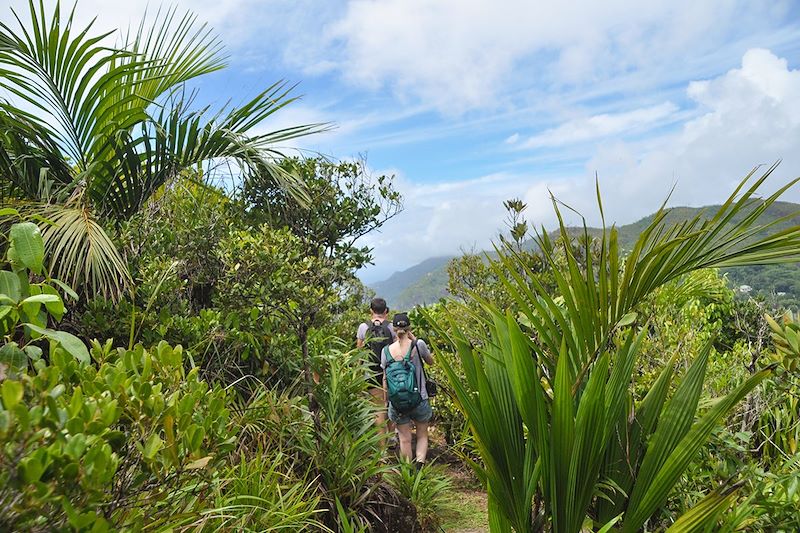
(346, 454)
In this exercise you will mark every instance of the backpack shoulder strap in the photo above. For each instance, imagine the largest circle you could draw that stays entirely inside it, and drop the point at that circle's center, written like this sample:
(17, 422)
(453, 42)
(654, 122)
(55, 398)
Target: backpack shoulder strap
(410, 349)
(388, 354)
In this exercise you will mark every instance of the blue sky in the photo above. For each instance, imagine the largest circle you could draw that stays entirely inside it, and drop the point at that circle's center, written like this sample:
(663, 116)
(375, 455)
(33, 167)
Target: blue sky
(469, 103)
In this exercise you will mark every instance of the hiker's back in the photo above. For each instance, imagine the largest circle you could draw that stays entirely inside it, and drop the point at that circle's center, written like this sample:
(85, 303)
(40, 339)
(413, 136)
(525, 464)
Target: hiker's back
(402, 383)
(379, 335)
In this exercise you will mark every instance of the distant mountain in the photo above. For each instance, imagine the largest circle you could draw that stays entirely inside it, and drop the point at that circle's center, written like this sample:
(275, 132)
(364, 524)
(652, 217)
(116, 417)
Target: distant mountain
(427, 281)
(423, 283)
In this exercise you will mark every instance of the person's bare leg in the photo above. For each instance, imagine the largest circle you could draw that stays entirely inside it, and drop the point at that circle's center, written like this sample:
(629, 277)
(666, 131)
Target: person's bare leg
(405, 440)
(422, 442)
(379, 400)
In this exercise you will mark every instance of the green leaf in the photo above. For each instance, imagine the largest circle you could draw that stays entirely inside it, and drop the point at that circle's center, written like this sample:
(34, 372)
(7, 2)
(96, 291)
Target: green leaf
(76, 444)
(607, 527)
(11, 391)
(33, 466)
(195, 435)
(152, 446)
(53, 303)
(627, 320)
(703, 515)
(40, 298)
(673, 424)
(26, 238)
(685, 452)
(10, 285)
(72, 344)
(8, 211)
(13, 357)
(66, 288)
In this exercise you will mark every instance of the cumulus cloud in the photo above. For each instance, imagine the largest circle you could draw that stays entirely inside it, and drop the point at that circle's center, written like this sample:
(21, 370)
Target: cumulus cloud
(747, 116)
(462, 54)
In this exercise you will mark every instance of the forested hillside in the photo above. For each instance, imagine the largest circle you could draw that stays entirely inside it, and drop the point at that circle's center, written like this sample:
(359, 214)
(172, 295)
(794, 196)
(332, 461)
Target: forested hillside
(780, 284)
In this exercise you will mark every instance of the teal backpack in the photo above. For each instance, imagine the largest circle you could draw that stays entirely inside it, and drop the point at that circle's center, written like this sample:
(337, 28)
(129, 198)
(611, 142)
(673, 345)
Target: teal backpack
(401, 381)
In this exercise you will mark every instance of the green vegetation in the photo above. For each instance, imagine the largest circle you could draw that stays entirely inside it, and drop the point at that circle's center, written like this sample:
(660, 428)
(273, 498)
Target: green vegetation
(176, 356)
(429, 281)
(84, 144)
(567, 432)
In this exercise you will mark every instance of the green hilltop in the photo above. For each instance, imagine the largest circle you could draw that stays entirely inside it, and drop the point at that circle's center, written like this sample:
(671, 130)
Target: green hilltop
(426, 282)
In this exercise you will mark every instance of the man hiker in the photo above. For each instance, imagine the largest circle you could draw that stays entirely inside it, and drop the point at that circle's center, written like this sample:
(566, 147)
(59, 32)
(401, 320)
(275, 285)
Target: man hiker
(376, 334)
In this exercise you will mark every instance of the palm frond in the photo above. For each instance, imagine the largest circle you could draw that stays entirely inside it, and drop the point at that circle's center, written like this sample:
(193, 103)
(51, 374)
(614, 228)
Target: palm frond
(560, 398)
(31, 164)
(73, 81)
(109, 126)
(81, 253)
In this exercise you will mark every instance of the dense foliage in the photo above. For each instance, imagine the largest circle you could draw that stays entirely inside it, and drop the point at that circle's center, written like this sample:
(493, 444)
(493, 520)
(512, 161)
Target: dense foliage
(89, 132)
(590, 385)
(574, 422)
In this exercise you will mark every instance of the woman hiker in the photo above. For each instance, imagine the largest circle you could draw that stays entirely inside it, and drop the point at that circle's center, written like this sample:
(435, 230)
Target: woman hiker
(406, 356)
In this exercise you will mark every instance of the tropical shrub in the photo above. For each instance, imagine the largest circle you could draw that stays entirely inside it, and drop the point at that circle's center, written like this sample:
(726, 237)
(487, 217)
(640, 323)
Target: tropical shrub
(547, 391)
(87, 446)
(90, 132)
(133, 436)
(345, 447)
(427, 488)
(27, 308)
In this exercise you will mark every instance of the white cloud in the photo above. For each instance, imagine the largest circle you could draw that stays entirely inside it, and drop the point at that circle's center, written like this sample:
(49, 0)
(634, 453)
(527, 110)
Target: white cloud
(602, 125)
(462, 54)
(745, 117)
(440, 219)
(242, 24)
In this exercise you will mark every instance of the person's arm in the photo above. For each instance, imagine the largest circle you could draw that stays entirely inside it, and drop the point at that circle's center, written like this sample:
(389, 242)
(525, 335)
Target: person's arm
(424, 352)
(384, 362)
(361, 334)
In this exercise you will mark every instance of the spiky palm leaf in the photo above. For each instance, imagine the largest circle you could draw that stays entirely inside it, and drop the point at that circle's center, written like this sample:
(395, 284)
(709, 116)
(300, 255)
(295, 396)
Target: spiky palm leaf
(550, 401)
(106, 127)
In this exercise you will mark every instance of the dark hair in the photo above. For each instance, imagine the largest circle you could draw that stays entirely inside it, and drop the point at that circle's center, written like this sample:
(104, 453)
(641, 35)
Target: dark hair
(378, 306)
